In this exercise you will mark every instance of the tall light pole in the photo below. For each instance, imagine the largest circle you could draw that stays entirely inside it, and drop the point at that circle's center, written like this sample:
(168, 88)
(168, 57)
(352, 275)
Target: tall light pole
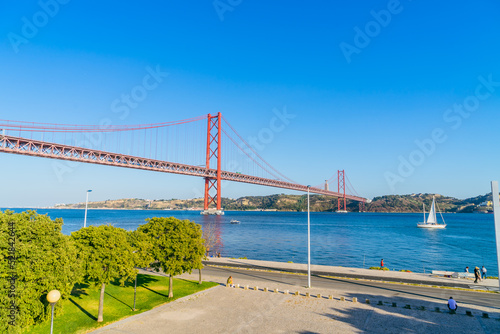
(308, 241)
(86, 204)
(496, 215)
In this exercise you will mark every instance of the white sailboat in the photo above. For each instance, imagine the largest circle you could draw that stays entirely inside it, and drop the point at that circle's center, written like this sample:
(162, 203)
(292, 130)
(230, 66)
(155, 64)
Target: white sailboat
(431, 221)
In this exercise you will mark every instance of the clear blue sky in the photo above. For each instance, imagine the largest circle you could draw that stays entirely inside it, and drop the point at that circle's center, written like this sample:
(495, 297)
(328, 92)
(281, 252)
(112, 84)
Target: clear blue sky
(361, 100)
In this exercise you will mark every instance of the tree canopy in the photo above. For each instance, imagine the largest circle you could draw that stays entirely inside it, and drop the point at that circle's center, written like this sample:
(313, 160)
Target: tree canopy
(177, 245)
(35, 258)
(106, 256)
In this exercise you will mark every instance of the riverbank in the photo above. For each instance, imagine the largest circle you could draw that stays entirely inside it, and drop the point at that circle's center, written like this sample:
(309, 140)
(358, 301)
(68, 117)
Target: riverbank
(489, 285)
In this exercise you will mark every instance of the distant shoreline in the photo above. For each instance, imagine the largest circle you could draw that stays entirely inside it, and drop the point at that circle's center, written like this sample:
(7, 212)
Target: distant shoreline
(274, 211)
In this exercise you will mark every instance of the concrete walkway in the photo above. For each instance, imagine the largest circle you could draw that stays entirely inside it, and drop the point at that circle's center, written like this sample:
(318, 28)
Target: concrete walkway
(379, 275)
(251, 310)
(233, 310)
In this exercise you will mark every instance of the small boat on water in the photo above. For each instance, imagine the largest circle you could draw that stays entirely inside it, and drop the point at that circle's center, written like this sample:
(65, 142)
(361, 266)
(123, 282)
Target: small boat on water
(234, 221)
(431, 221)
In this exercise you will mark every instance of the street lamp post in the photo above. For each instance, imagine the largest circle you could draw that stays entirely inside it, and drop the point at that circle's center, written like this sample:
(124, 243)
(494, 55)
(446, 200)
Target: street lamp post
(308, 241)
(496, 218)
(52, 297)
(86, 204)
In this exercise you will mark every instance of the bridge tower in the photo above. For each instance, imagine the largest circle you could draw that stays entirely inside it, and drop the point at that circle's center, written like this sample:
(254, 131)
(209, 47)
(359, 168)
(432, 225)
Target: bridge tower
(341, 190)
(213, 183)
(327, 188)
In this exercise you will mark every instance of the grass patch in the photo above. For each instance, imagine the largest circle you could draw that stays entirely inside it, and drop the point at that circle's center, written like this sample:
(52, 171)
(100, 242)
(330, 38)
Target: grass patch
(379, 268)
(79, 314)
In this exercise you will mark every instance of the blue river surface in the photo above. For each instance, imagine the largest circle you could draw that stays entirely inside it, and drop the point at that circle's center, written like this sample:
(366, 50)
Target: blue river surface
(350, 240)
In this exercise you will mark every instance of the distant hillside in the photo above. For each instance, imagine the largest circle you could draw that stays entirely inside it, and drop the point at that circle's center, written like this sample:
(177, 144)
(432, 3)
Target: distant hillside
(282, 202)
(413, 203)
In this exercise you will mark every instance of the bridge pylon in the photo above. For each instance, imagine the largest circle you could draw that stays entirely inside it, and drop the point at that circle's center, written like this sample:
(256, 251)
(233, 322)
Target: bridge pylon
(341, 201)
(213, 184)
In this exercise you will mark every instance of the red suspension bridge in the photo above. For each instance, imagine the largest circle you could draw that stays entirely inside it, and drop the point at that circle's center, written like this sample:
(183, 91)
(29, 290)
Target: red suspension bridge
(202, 147)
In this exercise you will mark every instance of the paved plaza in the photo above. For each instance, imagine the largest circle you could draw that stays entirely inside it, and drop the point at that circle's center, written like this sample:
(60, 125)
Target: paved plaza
(240, 310)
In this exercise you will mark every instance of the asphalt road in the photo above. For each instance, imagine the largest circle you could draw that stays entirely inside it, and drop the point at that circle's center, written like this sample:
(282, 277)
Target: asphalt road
(358, 288)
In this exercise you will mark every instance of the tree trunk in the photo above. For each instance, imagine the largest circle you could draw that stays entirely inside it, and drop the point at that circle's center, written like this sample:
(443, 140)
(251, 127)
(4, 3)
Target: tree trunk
(170, 286)
(199, 279)
(101, 304)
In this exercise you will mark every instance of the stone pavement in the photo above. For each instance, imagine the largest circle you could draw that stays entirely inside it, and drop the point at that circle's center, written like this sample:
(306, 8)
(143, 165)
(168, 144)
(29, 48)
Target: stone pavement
(237, 310)
(232, 310)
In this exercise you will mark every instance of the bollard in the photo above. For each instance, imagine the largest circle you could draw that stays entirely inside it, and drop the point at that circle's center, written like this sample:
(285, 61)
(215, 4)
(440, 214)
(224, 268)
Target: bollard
(421, 308)
(266, 289)
(318, 295)
(237, 286)
(276, 290)
(469, 313)
(453, 312)
(380, 302)
(394, 304)
(342, 299)
(308, 294)
(228, 285)
(485, 315)
(286, 292)
(296, 293)
(367, 301)
(354, 299)
(256, 288)
(408, 307)
(330, 297)
(437, 309)
(246, 287)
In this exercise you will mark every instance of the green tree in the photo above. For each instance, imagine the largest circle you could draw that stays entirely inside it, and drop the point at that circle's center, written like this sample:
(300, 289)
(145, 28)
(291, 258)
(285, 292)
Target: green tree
(35, 257)
(141, 245)
(106, 255)
(177, 246)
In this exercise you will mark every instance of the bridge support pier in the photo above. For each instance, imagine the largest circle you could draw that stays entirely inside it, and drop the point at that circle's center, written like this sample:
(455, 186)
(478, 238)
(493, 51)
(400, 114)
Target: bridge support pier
(213, 151)
(341, 201)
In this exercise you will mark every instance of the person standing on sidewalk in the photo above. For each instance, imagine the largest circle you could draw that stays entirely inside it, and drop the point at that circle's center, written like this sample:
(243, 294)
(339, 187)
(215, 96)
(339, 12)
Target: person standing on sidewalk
(477, 274)
(382, 263)
(483, 273)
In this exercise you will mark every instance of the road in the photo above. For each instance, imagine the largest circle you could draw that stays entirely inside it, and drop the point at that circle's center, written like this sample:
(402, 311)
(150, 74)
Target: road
(355, 288)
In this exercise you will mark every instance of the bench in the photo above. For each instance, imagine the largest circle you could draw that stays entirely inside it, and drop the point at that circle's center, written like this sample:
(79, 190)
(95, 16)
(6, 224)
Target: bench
(444, 273)
(466, 275)
(452, 274)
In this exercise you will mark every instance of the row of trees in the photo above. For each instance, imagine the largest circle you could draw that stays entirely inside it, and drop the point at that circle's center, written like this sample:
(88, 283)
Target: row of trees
(35, 257)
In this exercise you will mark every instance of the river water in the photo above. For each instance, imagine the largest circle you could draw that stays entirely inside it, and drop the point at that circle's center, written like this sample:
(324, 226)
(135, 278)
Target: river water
(350, 240)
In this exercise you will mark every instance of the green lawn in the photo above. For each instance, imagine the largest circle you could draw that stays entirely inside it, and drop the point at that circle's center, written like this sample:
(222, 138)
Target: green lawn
(79, 313)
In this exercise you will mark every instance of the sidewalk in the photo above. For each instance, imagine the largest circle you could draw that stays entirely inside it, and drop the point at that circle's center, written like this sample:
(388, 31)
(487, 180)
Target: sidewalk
(236, 310)
(378, 275)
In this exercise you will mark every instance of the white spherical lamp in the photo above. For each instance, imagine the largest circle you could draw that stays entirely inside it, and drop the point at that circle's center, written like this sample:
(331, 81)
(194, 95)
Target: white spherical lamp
(53, 296)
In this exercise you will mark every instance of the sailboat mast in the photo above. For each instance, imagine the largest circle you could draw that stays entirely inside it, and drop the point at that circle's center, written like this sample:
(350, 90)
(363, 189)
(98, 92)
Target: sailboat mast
(423, 205)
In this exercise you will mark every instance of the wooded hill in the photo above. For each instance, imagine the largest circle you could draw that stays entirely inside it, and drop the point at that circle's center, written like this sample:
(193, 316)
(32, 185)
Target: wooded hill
(282, 202)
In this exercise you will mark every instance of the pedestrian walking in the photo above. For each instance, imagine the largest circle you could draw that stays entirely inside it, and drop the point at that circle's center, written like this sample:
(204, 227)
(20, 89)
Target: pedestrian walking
(483, 273)
(382, 263)
(477, 274)
(452, 304)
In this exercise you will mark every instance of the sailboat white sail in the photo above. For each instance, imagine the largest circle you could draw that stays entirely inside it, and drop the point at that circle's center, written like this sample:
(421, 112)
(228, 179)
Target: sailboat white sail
(431, 221)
